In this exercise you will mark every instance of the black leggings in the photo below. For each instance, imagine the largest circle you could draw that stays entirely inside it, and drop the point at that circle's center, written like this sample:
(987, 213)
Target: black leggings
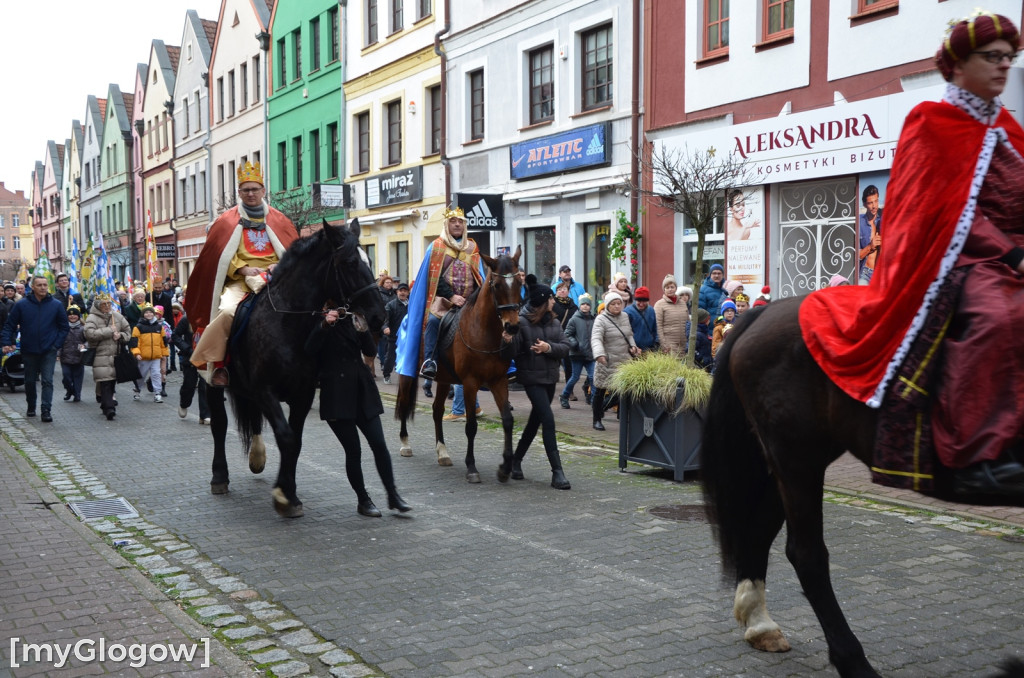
(348, 436)
(542, 417)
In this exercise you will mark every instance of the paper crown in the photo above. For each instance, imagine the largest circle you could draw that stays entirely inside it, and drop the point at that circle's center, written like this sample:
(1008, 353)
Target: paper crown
(250, 172)
(454, 212)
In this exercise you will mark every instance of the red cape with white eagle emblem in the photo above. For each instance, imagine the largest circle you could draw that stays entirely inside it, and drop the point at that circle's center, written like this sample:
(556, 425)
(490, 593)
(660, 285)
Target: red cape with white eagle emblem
(207, 279)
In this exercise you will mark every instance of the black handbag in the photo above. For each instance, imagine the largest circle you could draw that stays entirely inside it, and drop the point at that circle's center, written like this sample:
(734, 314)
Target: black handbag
(88, 357)
(126, 367)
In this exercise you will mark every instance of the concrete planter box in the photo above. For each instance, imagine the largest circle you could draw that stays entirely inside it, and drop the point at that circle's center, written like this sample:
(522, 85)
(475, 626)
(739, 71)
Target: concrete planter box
(650, 435)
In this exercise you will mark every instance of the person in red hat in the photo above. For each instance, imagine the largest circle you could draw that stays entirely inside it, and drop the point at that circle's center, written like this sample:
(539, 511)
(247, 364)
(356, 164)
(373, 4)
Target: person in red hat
(764, 298)
(643, 320)
(954, 237)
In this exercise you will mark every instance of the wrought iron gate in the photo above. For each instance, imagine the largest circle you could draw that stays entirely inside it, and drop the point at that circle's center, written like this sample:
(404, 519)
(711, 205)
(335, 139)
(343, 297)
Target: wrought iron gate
(818, 228)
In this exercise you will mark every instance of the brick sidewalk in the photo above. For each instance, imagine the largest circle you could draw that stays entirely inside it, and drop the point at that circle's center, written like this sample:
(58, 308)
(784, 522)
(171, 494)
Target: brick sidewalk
(847, 475)
(62, 583)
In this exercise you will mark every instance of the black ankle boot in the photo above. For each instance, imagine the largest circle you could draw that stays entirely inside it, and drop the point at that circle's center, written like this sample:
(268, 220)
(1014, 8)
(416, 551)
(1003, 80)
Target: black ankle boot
(365, 507)
(517, 470)
(396, 503)
(559, 481)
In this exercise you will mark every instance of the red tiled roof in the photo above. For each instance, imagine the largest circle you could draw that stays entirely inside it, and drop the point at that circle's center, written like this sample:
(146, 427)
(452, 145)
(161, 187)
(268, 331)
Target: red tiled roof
(103, 108)
(211, 30)
(173, 53)
(129, 103)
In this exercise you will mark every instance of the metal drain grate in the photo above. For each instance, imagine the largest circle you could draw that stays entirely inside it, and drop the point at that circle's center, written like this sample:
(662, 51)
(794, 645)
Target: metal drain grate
(683, 513)
(103, 508)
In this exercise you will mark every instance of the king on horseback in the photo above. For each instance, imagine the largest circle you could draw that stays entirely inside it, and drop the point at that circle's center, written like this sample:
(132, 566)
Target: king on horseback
(242, 248)
(450, 272)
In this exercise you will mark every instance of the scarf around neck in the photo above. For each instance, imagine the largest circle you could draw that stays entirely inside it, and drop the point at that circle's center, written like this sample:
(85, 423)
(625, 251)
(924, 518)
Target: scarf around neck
(253, 217)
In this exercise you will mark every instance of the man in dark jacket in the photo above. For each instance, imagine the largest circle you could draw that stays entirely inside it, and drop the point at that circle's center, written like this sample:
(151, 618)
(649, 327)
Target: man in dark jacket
(182, 337)
(43, 324)
(395, 311)
(712, 294)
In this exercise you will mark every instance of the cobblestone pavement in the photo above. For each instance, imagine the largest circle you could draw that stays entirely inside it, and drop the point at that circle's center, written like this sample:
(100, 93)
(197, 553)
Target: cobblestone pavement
(497, 580)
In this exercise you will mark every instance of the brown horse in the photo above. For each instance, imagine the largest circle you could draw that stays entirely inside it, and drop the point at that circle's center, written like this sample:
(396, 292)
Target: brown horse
(473, 359)
(771, 472)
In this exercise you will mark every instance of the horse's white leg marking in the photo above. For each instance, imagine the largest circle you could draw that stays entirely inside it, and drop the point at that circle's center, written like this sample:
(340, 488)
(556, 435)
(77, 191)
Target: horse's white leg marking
(406, 450)
(257, 454)
(751, 611)
(442, 455)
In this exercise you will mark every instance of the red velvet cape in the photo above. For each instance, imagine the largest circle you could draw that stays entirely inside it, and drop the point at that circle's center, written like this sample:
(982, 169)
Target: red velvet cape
(860, 334)
(206, 281)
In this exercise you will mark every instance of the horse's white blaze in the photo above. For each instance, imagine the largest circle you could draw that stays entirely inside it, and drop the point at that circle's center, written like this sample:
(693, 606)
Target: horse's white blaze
(750, 609)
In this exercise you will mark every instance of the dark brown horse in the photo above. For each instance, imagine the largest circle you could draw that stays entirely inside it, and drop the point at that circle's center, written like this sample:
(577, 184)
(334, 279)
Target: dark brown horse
(474, 360)
(771, 472)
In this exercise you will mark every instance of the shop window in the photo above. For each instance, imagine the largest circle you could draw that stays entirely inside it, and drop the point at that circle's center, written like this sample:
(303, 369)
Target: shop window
(817, 233)
(539, 253)
(597, 267)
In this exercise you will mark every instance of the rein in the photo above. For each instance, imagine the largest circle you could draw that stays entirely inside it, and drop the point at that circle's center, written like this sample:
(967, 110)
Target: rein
(499, 308)
(343, 307)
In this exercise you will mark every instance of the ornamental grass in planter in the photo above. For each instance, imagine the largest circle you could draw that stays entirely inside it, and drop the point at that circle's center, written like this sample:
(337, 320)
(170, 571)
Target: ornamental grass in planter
(656, 376)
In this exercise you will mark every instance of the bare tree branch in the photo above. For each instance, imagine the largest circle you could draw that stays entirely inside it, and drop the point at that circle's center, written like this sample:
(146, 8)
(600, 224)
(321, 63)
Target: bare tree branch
(694, 183)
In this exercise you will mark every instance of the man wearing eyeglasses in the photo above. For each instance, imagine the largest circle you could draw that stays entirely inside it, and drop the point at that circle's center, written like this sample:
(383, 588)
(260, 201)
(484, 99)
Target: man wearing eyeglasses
(947, 294)
(242, 247)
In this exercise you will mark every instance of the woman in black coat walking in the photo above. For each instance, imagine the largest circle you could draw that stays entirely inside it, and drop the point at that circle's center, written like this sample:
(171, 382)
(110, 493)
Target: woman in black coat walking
(538, 348)
(349, 400)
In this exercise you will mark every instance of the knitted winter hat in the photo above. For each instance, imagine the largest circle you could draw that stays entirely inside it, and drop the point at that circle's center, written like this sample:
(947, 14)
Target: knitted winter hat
(539, 295)
(668, 279)
(609, 297)
(731, 285)
(685, 291)
(642, 294)
(585, 299)
(728, 304)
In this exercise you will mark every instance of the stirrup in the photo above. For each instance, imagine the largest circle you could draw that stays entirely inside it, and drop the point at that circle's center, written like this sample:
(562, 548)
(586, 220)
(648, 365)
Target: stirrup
(429, 369)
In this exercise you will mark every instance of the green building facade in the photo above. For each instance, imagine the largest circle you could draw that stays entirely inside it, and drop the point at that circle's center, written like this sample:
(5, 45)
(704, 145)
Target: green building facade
(304, 110)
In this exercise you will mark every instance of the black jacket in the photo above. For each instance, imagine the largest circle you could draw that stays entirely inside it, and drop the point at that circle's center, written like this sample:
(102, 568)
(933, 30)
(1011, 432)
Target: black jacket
(347, 389)
(538, 368)
(395, 311)
(69, 299)
(181, 337)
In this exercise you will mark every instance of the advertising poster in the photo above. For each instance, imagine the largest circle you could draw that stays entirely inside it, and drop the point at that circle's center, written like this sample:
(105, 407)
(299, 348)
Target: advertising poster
(744, 237)
(869, 224)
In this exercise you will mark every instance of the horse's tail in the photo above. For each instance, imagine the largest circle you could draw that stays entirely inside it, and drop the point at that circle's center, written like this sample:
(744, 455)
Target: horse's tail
(405, 408)
(248, 416)
(733, 468)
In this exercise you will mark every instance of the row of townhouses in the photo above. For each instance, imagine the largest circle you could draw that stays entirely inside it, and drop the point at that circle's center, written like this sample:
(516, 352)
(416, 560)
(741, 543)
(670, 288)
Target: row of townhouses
(527, 114)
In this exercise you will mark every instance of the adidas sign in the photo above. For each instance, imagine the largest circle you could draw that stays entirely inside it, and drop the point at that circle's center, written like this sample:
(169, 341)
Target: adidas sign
(480, 216)
(595, 147)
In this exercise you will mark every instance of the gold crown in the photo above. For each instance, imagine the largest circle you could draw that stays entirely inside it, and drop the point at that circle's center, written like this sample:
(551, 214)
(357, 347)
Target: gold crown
(742, 297)
(454, 212)
(250, 172)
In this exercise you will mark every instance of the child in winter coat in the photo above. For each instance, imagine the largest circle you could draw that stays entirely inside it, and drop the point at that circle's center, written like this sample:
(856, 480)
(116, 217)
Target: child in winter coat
(723, 323)
(149, 345)
(581, 355)
(71, 353)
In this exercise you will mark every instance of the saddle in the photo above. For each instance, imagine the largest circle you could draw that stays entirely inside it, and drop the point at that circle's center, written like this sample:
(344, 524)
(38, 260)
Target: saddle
(904, 451)
(242, 313)
(446, 337)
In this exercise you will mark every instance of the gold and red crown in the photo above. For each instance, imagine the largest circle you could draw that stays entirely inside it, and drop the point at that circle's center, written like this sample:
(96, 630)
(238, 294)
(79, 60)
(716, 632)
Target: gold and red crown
(454, 212)
(250, 172)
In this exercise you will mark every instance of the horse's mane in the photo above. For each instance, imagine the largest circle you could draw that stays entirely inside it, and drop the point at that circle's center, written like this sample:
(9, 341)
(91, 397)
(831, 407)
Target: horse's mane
(296, 257)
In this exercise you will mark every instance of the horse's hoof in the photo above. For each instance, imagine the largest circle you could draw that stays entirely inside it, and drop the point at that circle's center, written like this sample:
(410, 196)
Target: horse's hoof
(502, 475)
(283, 507)
(405, 452)
(218, 488)
(444, 461)
(769, 641)
(257, 455)
(473, 477)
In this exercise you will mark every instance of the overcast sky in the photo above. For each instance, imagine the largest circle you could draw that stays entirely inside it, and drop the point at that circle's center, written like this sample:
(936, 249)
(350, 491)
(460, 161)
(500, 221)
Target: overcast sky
(57, 52)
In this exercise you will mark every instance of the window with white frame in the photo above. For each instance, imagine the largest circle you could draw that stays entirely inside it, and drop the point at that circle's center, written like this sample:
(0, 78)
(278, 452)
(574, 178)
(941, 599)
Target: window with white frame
(393, 132)
(597, 67)
(371, 22)
(542, 84)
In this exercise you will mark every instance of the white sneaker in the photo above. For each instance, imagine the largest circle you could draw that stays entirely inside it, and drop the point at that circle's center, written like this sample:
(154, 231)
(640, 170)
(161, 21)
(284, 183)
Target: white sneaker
(158, 398)
(182, 412)
(136, 396)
